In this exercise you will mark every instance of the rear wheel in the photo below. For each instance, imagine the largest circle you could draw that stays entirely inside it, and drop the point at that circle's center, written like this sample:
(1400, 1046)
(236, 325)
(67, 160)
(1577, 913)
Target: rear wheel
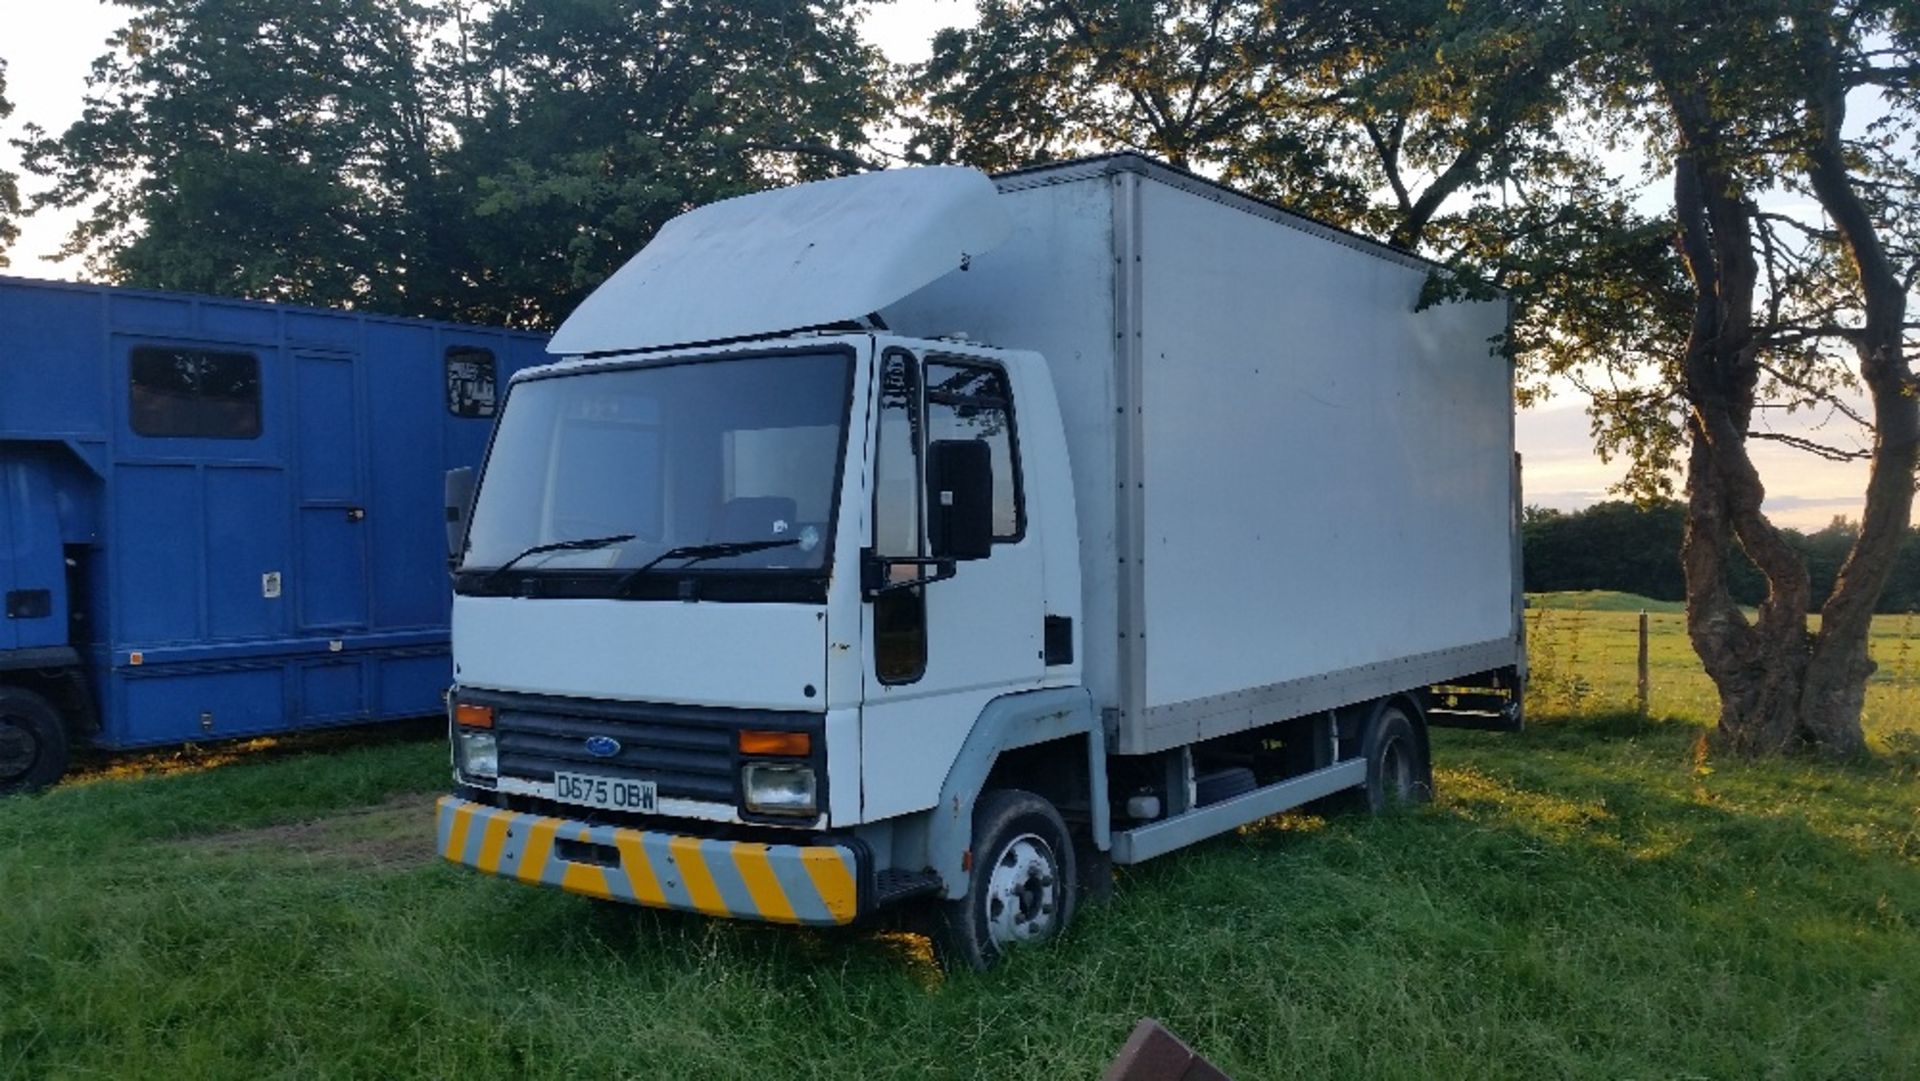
(1397, 769)
(33, 742)
(1023, 885)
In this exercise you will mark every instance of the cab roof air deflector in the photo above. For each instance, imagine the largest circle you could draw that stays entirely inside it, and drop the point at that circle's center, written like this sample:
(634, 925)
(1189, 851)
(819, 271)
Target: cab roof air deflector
(790, 258)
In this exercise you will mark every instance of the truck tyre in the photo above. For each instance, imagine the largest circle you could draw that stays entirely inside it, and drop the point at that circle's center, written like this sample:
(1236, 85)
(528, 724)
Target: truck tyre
(33, 742)
(1023, 883)
(1398, 772)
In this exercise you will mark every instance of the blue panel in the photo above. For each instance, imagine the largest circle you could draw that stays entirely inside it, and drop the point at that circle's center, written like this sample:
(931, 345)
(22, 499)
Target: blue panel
(150, 314)
(324, 425)
(246, 541)
(158, 551)
(9, 558)
(406, 413)
(240, 322)
(332, 582)
(333, 527)
(324, 330)
(52, 362)
(412, 686)
(163, 707)
(31, 560)
(333, 692)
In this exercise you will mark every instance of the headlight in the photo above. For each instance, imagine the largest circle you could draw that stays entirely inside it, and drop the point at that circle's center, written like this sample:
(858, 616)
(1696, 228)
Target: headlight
(778, 788)
(479, 754)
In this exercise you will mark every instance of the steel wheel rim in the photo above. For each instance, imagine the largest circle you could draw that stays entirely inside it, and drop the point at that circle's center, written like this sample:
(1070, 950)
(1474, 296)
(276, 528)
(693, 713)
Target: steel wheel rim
(1023, 895)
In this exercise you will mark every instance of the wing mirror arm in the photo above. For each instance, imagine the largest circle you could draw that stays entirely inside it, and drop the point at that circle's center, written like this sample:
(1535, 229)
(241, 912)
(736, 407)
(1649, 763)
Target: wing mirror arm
(876, 573)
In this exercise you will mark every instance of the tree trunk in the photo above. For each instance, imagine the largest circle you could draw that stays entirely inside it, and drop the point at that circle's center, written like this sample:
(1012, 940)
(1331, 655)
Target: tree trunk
(1759, 668)
(1837, 677)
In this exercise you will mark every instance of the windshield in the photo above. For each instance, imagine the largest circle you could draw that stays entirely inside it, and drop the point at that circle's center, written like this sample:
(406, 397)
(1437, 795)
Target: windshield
(735, 461)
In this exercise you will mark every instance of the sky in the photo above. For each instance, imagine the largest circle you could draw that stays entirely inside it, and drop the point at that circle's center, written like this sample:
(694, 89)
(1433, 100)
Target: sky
(48, 47)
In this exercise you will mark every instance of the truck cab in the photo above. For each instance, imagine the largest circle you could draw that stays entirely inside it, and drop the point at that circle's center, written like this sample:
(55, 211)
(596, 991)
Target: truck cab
(748, 625)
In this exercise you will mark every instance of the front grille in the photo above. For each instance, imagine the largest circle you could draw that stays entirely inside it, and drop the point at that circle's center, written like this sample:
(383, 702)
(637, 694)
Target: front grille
(688, 752)
(689, 763)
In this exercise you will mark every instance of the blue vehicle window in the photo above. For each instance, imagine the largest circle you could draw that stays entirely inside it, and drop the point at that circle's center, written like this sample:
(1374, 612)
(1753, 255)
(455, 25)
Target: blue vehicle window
(194, 393)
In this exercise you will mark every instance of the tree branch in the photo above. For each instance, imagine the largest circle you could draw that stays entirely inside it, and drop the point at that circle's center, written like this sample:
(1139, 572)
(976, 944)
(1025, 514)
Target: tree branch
(1831, 454)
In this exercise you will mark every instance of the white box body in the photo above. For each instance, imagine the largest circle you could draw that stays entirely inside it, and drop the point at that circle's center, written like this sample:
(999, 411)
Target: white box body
(1294, 490)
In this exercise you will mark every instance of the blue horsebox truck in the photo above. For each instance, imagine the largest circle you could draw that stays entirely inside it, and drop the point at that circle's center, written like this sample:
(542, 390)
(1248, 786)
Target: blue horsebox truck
(223, 518)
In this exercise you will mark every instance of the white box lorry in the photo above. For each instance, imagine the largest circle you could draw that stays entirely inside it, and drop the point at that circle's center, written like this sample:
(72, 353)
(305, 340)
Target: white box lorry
(921, 535)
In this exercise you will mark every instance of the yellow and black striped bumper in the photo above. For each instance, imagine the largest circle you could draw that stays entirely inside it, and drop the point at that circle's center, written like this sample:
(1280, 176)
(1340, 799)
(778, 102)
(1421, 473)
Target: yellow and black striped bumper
(811, 884)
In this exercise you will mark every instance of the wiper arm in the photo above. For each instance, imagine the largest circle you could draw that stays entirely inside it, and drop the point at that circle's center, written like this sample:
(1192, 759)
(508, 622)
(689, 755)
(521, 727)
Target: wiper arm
(579, 545)
(694, 553)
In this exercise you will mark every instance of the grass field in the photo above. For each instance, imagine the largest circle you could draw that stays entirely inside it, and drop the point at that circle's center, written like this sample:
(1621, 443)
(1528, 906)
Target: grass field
(1596, 897)
(1584, 648)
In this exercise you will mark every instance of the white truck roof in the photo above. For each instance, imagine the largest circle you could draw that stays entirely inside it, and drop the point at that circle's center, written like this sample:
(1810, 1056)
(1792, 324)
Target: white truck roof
(790, 258)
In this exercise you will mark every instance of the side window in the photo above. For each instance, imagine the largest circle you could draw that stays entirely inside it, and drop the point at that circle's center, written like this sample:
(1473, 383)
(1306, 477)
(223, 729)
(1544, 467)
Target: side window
(900, 616)
(471, 391)
(193, 393)
(971, 401)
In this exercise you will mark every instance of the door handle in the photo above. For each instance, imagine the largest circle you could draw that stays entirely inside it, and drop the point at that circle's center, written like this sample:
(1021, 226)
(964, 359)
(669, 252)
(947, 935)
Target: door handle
(356, 514)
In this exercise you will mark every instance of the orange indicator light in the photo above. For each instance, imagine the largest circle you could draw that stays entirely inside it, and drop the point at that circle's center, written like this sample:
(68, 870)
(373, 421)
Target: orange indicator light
(794, 743)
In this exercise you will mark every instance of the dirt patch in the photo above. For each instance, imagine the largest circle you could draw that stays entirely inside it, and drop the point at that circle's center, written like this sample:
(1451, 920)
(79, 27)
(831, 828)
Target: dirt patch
(393, 835)
(94, 765)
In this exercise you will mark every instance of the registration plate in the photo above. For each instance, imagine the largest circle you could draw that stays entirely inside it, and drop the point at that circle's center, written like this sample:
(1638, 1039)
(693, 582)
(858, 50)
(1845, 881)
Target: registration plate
(610, 793)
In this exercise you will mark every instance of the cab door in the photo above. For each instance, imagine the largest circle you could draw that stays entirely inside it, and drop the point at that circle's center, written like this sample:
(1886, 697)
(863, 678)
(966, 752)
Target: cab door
(938, 651)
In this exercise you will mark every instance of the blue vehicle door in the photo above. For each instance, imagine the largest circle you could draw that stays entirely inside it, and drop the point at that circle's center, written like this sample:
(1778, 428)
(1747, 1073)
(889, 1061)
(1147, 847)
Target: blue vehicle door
(331, 485)
(199, 495)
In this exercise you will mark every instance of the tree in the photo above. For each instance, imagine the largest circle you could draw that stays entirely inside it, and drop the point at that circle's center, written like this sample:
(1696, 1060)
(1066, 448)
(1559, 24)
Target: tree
(252, 147)
(1611, 545)
(9, 183)
(1741, 103)
(1372, 116)
(591, 122)
(417, 156)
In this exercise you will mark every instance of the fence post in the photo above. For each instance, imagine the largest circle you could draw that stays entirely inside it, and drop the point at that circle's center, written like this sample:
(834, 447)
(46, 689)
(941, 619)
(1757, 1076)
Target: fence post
(1643, 663)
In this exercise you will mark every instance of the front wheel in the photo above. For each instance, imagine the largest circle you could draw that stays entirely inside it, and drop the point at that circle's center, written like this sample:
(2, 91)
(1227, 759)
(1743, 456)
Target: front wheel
(33, 742)
(1023, 885)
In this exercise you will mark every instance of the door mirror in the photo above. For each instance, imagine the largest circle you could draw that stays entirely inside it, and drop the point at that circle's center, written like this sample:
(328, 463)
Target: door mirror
(459, 504)
(959, 499)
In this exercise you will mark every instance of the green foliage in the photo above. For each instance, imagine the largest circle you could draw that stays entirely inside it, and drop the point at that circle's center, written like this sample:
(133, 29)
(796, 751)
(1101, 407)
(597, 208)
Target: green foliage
(414, 157)
(1615, 546)
(9, 183)
(1371, 117)
(591, 122)
(249, 147)
(1609, 546)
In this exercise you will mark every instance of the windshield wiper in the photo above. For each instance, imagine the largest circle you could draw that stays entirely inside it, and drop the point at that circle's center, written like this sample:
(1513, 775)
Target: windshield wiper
(580, 545)
(694, 553)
